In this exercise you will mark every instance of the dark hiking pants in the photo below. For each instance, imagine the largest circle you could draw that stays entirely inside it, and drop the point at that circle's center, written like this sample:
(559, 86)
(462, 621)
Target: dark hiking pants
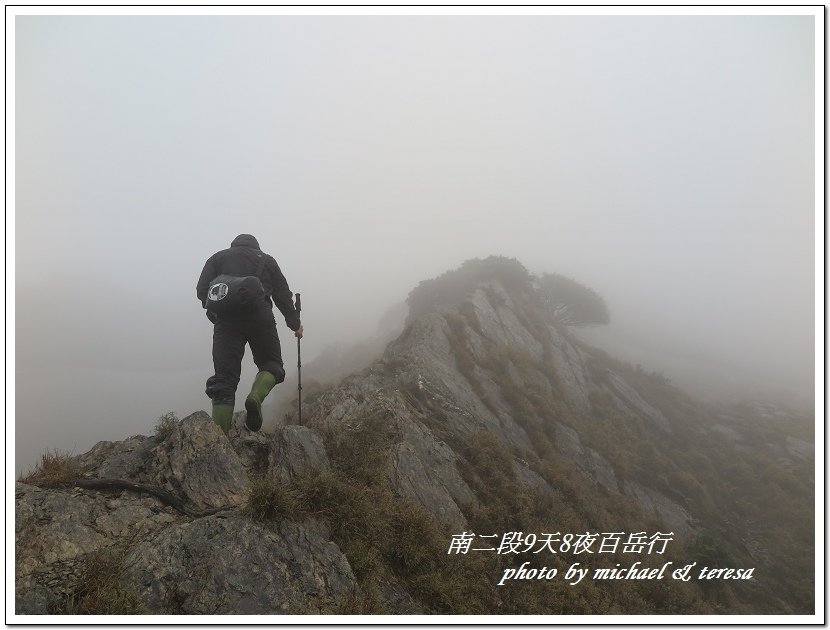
(229, 339)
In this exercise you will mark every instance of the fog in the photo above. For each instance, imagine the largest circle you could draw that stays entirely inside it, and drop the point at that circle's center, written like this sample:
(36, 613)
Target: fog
(666, 162)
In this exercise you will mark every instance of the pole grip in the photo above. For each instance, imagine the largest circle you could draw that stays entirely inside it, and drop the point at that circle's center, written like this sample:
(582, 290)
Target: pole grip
(297, 301)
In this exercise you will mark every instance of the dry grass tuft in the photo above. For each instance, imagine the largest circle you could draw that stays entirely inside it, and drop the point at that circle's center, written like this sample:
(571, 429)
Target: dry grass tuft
(102, 589)
(268, 500)
(56, 469)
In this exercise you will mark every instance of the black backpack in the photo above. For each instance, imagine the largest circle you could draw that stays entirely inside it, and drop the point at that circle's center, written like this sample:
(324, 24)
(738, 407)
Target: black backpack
(234, 295)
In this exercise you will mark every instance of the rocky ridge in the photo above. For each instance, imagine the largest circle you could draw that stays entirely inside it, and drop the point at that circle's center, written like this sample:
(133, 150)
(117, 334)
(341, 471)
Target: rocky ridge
(492, 363)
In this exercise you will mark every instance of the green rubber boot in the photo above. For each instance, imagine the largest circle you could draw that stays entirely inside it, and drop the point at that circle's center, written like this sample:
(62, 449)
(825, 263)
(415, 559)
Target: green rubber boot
(263, 383)
(223, 415)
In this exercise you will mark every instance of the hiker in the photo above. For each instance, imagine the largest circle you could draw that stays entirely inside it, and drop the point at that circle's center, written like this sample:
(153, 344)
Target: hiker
(251, 323)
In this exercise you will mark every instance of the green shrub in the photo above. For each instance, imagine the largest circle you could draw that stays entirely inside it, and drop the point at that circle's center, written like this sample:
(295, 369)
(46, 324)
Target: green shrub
(166, 424)
(573, 303)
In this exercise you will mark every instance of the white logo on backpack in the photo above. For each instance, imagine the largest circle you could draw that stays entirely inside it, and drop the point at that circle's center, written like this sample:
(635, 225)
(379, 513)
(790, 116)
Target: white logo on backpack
(218, 291)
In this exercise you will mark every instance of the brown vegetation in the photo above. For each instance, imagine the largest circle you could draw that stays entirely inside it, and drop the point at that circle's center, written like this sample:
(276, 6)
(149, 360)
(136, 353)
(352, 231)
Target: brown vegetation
(56, 469)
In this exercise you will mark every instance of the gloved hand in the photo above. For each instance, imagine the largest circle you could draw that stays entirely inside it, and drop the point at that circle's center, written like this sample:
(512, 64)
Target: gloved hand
(213, 317)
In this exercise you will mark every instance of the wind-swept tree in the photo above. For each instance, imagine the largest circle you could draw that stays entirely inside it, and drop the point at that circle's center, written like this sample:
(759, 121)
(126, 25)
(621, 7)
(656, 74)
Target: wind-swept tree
(573, 303)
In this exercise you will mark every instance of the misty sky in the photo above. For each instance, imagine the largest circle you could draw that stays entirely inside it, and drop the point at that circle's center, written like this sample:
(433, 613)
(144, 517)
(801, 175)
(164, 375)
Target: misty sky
(666, 162)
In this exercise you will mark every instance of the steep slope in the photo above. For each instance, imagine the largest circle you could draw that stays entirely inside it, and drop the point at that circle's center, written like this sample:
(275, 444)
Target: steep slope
(485, 420)
(604, 446)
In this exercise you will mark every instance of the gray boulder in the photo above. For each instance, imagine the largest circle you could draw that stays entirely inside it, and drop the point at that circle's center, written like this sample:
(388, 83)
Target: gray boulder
(127, 459)
(232, 565)
(296, 450)
(424, 471)
(198, 462)
(55, 530)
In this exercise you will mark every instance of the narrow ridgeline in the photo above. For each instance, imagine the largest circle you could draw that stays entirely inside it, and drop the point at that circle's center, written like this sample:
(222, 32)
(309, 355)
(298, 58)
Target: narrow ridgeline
(486, 439)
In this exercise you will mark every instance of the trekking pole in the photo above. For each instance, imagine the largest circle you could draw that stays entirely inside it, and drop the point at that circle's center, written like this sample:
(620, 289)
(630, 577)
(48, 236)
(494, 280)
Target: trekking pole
(299, 370)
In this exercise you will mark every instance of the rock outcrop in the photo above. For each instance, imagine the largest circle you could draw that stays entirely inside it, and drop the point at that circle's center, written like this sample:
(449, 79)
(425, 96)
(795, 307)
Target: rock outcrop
(220, 564)
(487, 369)
(296, 450)
(462, 365)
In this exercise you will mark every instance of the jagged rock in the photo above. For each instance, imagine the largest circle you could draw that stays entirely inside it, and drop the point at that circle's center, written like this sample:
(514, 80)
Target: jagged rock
(601, 470)
(431, 366)
(493, 314)
(568, 442)
(586, 459)
(252, 448)
(120, 460)
(629, 399)
(296, 450)
(54, 526)
(230, 565)
(118, 521)
(507, 427)
(530, 477)
(197, 461)
(445, 378)
(477, 347)
(430, 363)
(672, 514)
(422, 467)
(31, 598)
(396, 599)
(569, 363)
(424, 471)
(249, 568)
(56, 529)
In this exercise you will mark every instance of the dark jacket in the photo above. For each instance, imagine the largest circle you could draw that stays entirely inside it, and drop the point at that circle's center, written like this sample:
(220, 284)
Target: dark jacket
(242, 259)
